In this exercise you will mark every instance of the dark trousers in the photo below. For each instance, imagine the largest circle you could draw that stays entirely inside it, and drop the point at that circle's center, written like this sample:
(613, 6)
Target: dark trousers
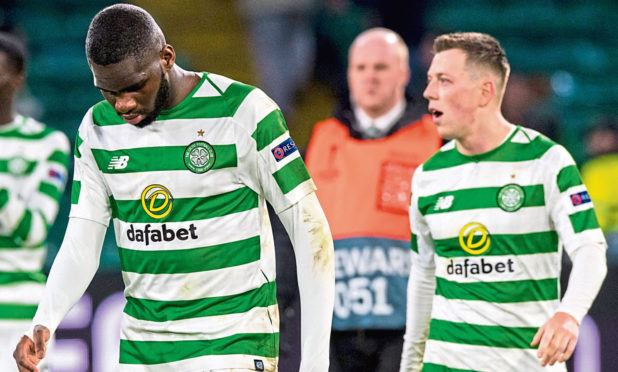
(366, 350)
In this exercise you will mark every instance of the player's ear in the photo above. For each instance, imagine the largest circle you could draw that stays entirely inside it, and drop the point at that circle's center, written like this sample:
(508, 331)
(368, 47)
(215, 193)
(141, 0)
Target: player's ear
(487, 91)
(167, 57)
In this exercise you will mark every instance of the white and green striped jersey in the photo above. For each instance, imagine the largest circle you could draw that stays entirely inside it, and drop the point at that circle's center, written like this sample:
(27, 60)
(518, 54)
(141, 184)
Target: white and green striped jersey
(33, 174)
(187, 196)
(494, 225)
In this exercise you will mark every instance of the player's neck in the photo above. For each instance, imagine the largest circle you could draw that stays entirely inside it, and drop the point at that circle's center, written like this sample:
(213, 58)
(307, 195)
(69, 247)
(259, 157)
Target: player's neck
(182, 83)
(488, 134)
(6, 112)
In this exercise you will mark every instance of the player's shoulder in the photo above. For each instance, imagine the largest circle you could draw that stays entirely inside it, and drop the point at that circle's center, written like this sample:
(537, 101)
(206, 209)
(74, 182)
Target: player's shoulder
(218, 85)
(29, 126)
(249, 107)
(443, 158)
(233, 91)
(534, 140)
(102, 114)
(33, 129)
(98, 115)
(536, 145)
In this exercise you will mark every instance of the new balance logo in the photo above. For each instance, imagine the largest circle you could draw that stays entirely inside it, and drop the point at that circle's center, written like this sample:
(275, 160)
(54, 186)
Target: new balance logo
(444, 202)
(118, 162)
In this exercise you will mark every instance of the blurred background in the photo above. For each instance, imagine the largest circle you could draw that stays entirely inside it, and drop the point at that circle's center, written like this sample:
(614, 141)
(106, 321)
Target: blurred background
(564, 83)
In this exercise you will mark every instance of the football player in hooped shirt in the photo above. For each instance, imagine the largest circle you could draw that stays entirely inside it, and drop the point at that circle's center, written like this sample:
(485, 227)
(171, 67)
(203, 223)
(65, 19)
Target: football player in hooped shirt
(192, 228)
(33, 173)
(490, 215)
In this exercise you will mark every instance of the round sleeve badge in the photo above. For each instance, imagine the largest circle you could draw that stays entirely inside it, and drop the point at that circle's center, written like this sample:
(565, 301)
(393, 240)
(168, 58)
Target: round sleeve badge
(511, 197)
(199, 157)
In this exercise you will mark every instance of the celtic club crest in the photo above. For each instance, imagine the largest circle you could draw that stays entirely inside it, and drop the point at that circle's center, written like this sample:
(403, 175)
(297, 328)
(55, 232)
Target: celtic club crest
(511, 197)
(199, 157)
(17, 166)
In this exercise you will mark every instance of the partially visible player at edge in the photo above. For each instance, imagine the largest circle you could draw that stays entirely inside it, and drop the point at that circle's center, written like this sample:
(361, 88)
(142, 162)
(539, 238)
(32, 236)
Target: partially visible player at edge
(490, 215)
(33, 173)
(184, 162)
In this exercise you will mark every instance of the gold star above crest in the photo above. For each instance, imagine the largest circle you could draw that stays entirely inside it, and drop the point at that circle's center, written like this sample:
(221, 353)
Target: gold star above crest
(200, 133)
(513, 176)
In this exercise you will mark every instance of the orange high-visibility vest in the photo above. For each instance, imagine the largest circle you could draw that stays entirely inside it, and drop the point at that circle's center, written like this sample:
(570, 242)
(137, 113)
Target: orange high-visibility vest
(364, 185)
(364, 188)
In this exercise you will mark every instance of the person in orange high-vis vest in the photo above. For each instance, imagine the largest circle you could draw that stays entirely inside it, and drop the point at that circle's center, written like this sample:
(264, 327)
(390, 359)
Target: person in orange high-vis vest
(362, 161)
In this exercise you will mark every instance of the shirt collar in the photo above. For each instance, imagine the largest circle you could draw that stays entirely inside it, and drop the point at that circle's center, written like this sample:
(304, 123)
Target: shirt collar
(384, 123)
(17, 122)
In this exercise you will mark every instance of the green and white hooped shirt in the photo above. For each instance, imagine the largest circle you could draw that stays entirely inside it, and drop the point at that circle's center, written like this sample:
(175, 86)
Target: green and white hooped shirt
(33, 174)
(495, 225)
(187, 195)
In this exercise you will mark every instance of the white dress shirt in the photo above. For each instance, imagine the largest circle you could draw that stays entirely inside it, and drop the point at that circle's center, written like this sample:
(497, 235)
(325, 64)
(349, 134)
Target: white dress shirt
(382, 124)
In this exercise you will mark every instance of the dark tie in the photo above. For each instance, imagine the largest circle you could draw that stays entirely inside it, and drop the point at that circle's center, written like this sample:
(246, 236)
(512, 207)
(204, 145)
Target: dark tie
(372, 132)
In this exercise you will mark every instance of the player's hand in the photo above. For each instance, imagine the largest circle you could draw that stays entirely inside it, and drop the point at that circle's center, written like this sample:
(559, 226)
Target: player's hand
(29, 352)
(556, 339)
